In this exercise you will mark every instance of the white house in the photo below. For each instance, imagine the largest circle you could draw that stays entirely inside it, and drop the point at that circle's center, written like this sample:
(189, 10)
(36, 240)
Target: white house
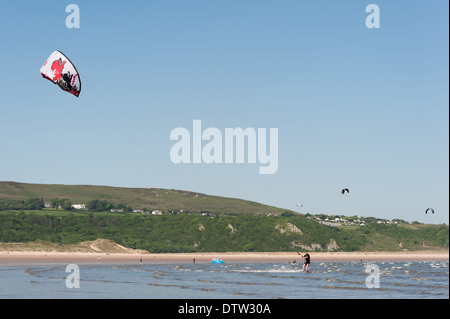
(79, 206)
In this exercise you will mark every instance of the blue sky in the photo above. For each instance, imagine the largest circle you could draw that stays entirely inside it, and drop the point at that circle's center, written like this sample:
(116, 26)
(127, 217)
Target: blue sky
(358, 108)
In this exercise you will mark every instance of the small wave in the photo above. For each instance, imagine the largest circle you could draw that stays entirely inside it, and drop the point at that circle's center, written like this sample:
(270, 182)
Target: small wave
(421, 279)
(344, 281)
(403, 285)
(353, 288)
(209, 281)
(273, 270)
(341, 287)
(246, 283)
(161, 285)
(237, 293)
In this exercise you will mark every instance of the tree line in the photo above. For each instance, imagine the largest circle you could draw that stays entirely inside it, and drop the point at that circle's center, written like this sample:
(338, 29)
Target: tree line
(15, 204)
(195, 233)
(95, 205)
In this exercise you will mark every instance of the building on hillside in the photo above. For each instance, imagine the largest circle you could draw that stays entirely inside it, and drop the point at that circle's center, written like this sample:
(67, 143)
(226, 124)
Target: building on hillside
(79, 206)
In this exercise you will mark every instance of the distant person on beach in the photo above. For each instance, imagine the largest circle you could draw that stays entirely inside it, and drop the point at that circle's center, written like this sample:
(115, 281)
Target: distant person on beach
(140, 260)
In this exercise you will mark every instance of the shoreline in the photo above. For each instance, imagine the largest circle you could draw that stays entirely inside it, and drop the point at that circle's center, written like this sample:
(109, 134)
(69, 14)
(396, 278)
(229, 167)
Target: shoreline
(8, 258)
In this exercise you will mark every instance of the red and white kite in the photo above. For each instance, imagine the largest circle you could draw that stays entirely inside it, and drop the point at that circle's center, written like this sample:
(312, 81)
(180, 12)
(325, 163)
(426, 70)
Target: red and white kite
(61, 71)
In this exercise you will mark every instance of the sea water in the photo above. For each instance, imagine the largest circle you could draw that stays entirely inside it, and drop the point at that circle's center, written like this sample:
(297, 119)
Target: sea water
(330, 280)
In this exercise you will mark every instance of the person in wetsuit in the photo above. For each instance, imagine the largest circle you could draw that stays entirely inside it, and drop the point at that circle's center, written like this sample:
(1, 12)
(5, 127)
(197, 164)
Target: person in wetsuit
(307, 261)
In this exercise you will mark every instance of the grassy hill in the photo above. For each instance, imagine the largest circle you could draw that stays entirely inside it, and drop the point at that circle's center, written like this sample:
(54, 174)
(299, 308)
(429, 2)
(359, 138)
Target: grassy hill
(138, 198)
(234, 225)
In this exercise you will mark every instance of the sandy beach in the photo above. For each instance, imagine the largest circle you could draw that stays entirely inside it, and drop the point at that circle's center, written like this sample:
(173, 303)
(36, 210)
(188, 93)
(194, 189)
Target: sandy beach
(22, 257)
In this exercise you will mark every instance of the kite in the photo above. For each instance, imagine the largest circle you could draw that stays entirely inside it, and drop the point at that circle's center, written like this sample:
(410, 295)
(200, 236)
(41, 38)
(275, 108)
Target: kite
(301, 205)
(345, 191)
(429, 209)
(60, 70)
(217, 261)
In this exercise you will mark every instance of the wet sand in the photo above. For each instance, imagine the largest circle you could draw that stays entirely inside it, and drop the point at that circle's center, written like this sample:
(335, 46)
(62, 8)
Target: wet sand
(11, 257)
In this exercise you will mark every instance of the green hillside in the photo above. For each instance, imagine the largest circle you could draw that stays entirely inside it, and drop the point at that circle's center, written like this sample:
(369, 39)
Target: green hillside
(197, 233)
(137, 198)
(233, 225)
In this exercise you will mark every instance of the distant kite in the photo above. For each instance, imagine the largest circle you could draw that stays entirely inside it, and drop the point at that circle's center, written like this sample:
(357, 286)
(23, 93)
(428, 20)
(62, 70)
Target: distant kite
(429, 209)
(301, 205)
(345, 191)
(59, 70)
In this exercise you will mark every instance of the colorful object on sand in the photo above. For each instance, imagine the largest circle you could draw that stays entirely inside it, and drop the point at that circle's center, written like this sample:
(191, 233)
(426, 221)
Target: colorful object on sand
(217, 261)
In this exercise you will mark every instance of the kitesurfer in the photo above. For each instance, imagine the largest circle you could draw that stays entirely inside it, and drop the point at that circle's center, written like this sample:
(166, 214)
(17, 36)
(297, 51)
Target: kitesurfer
(307, 261)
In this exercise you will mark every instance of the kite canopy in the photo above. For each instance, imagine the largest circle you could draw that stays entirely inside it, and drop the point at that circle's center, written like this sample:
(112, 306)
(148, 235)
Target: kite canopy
(429, 209)
(60, 70)
(217, 261)
(345, 191)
